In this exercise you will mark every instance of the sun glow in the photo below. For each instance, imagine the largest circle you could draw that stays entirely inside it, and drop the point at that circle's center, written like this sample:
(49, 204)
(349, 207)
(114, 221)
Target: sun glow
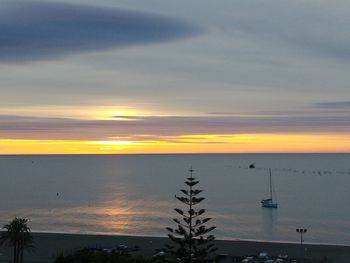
(124, 114)
(114, 142)
(94, 112)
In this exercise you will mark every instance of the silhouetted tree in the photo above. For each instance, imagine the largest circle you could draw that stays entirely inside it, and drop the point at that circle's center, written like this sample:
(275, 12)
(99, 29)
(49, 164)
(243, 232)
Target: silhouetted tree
(18, 234)
(194, 243)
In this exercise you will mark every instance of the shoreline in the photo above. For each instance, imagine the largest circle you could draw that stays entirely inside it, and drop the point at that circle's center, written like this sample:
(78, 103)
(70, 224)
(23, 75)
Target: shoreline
(217, 239)
(50, 245)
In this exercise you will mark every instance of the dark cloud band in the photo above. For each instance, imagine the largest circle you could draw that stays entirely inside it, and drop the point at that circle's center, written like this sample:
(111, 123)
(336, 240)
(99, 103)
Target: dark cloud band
(37, 30)
(333, 105)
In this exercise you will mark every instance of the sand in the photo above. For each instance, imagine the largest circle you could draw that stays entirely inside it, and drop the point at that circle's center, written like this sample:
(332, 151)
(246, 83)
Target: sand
(49, 245)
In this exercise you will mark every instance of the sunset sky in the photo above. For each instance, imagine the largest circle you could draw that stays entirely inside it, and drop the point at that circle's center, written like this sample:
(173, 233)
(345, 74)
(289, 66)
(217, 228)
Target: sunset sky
(165, 76)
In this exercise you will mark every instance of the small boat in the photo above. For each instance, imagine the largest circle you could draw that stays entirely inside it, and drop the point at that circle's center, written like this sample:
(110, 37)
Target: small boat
(269, 203)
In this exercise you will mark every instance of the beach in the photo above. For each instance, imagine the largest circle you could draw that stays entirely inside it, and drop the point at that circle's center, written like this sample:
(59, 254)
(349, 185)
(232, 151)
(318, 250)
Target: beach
(49, 245)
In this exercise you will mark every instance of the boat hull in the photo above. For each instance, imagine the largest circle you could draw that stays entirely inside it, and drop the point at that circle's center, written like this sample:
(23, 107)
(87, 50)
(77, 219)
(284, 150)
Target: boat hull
(274, 205)
(268, 203)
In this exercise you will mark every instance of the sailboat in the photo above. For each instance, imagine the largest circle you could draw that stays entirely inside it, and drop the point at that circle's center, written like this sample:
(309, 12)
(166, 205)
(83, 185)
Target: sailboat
(269, 202)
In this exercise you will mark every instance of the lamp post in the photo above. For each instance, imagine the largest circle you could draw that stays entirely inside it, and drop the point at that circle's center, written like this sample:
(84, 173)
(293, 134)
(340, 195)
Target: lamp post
(301, 231)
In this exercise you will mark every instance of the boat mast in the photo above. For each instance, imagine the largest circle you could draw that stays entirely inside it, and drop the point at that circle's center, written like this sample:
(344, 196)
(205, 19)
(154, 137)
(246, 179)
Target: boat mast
(270, 184)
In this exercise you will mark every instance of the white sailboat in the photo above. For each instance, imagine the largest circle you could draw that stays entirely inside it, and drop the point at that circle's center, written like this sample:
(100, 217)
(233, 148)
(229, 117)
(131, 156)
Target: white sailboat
(269, 203)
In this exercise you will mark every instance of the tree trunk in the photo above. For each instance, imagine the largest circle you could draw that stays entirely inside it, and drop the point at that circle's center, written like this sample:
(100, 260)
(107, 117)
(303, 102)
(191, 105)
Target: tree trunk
(18, 250)
(21, 251)
(15, 252)
(190, 224)
(21, 256)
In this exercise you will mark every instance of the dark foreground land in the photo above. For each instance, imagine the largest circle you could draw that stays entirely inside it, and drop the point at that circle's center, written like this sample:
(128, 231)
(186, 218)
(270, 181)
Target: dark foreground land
(49, 246)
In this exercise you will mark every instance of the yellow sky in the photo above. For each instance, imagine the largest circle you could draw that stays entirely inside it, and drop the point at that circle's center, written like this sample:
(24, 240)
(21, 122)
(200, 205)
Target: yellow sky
(138, 143)
(209, 143)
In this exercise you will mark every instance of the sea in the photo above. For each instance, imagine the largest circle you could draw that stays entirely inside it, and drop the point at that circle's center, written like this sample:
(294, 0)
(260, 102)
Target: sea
(135, 194)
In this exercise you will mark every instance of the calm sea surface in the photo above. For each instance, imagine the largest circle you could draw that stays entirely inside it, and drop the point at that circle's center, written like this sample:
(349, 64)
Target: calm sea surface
(134, 194)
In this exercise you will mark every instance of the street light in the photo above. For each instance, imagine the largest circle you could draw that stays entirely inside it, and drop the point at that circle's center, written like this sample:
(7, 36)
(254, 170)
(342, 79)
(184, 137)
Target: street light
(301, 231)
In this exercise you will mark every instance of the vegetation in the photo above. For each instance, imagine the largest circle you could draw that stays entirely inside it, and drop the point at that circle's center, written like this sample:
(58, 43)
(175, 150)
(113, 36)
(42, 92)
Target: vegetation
(192, 238)
(99, 256)
(18, 235)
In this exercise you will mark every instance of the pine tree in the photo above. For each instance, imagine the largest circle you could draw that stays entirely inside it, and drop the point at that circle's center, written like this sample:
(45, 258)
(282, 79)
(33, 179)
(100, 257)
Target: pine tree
(192, 238)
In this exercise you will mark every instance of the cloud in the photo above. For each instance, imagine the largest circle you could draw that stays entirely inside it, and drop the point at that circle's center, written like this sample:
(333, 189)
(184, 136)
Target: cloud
(333, 105)
(14, 127)
(304, 27)
(31, 30)
(130, 118)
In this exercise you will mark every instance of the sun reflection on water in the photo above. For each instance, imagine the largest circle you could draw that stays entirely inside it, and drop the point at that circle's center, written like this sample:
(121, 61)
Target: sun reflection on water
(124, 217)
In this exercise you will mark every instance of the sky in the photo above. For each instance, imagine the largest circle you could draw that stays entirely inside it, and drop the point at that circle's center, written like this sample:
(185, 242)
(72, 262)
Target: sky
(164, 76)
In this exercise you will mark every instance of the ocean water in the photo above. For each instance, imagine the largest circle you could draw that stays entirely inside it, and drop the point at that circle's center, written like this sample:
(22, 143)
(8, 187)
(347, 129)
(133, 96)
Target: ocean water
(134, 194)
